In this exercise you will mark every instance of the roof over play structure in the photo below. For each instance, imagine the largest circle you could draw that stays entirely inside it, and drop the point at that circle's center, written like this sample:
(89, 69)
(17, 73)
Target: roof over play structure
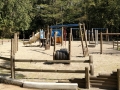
(64, 25)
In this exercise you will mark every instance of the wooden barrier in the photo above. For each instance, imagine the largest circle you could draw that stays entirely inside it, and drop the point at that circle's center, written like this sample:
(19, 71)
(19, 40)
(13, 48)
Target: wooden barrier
(116, 43)
(101, 40)
(106, 81)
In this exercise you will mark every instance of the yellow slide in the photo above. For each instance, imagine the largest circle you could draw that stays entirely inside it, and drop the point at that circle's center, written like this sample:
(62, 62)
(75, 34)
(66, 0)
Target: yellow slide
(32, 39)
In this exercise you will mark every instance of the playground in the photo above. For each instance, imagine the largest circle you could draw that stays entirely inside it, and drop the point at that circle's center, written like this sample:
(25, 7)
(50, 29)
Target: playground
(103, 63)
(59, 61)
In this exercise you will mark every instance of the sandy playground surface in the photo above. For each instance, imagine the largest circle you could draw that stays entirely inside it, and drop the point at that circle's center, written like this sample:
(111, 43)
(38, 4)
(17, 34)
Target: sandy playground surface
(103, 63)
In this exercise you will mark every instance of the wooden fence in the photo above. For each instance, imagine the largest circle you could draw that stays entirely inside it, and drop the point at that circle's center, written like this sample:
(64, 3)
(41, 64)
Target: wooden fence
(116, 43)
(101, 39)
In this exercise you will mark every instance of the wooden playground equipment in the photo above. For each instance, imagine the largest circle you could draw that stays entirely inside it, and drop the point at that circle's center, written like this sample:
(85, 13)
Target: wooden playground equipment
(106, 81)
(116, 43)
(101, 39)
(93, 34)
(83, 39)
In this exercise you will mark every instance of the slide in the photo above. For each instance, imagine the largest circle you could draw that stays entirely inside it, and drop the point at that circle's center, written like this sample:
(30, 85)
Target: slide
(32, 39)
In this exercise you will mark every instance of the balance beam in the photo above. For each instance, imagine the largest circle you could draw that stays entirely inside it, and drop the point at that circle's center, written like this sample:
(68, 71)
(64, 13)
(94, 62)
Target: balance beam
(44, 85)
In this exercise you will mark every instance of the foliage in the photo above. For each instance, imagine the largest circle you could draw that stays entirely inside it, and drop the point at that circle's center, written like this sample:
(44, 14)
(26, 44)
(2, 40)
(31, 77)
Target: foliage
(17, 15)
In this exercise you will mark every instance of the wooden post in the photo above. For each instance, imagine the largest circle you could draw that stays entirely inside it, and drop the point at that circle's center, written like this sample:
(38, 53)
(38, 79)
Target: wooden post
(89, 35)
(107, 36)
(12, 59)
(71, 34)
(62, 37)
(50, 35)
(15, 42)
(87, 78)
(54, 41)
(113, 43)
(91, 59)
(91, 65)
(86, 46)
(86, 34)
(101, 41)
(81, 35)
(54, 49)
(117, 44)
(118, 77)
(70, 46)
(96, 37)
(92, 36)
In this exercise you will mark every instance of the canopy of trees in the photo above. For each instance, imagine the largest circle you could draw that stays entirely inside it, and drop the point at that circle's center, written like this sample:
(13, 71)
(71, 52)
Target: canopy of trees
(21, 15)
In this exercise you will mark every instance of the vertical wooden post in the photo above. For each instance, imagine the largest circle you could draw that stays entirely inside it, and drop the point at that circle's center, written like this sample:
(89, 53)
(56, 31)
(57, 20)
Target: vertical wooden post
(62, 36)
(86, 34)
(118, 77)
(117, 44)
(69, 46)
(91, 59)
(101, 42)
(89, 35)
(54, 49)
(12, 59)
(50, 35)
(55, 41)
(15, 42)
(113, 43)
(71, 34)
(86, 46)
(107, 36)
(87, 78)
(81, 35)
(96, 37)
(92, 36)
(91, 65)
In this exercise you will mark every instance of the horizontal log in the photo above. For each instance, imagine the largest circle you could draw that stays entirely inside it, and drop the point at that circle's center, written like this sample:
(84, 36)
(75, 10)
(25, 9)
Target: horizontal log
(64, 81)
(110, 33)
(104, 85)
(103, 81)
(52, 61)
(48, 70)
(11, 81)
(3, 67)
(42, 85)
(108, 76)
(5, 58)
(77, 80)
(100, 78)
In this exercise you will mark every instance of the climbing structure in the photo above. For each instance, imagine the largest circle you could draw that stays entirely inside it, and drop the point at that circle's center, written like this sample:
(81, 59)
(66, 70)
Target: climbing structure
(83, 39)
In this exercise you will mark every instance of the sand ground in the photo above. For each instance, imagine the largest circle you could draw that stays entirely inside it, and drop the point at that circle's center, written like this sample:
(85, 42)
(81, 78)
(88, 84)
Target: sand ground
(103, 63)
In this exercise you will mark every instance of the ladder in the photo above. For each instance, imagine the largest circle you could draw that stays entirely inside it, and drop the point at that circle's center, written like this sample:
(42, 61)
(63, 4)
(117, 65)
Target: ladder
(83, 39)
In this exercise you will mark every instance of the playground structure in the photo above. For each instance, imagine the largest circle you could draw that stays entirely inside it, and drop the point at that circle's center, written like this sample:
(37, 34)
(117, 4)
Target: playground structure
(83, 37)
(101, 39)
(116, 43)
(93, 35)
(32, 39)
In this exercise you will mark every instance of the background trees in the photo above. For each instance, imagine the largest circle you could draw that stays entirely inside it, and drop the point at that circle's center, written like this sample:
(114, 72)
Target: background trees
(31, 15)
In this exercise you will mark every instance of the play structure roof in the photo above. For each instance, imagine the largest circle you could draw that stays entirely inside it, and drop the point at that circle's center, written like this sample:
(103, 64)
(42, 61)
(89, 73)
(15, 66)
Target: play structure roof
(64, 25)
